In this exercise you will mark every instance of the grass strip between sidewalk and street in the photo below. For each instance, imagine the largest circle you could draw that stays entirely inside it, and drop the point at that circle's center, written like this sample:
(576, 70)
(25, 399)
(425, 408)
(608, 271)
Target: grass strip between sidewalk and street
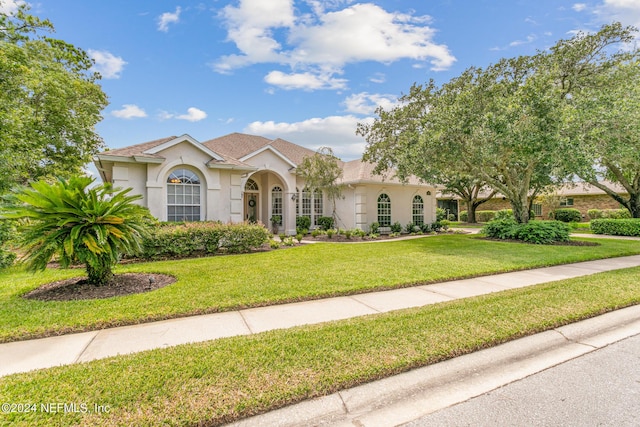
(228, 379)
(224, 283)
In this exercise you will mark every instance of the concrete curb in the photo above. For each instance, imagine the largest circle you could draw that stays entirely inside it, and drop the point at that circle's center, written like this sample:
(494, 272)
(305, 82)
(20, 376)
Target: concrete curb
(408, 396)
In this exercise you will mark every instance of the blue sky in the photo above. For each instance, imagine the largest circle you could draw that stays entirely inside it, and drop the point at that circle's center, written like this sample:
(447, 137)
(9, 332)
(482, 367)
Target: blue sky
(303, 70)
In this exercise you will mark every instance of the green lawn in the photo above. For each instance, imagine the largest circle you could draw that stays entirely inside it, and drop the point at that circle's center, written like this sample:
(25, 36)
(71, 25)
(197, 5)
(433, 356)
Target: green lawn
(320, 270)
(228, 379)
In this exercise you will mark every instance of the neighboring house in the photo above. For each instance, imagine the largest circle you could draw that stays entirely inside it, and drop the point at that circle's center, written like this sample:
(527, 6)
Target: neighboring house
(241, 177)
(578, 195)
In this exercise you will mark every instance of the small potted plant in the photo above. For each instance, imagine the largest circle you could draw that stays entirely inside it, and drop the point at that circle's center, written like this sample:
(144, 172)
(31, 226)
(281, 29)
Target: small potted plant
(276, 220)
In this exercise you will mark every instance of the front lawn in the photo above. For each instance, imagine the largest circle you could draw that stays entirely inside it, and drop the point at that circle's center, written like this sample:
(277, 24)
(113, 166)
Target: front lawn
(224, 380)
(223, 283)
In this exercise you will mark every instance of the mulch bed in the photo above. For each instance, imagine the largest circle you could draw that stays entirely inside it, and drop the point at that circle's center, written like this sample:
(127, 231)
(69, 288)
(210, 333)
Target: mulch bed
(77, 288)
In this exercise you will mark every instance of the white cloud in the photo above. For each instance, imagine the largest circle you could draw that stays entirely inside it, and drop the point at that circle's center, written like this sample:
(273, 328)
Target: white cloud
(323, 42)
(193, 115)
(530, 39)
(579, 7)
(366, 103)
(337, 132)
(129, 111)
(625, 11)
(168, 18)
(378, 78)
(107, 64)
(305, 81)
(9, 7)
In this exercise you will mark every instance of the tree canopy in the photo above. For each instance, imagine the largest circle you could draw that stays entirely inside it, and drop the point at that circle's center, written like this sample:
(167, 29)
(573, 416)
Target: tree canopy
(504, 125)
(322, 171)
(49, 103)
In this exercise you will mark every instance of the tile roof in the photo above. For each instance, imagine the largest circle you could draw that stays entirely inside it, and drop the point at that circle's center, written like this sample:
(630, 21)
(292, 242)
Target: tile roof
(359, 171)
(138, 149)
(239, 145)
(236, 145)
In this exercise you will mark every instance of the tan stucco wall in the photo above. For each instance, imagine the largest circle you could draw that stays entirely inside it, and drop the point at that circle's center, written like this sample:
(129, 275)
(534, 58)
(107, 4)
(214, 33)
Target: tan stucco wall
(359, 209)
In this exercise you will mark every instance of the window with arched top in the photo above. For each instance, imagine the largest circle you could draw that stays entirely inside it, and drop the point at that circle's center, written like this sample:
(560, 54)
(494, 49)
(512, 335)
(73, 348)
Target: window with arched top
(251, 185)
(276, 203)
(183, 196)
(417, 209)
(384, 210)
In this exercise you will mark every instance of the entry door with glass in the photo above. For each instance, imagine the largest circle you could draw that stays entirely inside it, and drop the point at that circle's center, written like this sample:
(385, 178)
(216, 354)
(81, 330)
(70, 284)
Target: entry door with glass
(251, 207)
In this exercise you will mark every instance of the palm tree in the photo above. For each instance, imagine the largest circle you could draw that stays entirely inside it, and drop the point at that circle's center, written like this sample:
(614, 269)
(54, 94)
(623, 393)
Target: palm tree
(79, 223)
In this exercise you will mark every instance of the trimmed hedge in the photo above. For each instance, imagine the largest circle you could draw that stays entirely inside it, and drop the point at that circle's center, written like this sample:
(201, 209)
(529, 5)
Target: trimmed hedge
(485, 216)
(567, 215)
(202, 238)
(608, 213)
(538, 232)
(616, 227)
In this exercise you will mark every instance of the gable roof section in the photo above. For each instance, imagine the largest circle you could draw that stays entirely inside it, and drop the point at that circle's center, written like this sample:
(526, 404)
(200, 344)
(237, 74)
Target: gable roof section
(151, 152)
(135, 151)
(243, 146)
(184, 138)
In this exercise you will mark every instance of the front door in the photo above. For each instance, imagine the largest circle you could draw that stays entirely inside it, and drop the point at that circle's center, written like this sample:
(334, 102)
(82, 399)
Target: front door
(251, 207)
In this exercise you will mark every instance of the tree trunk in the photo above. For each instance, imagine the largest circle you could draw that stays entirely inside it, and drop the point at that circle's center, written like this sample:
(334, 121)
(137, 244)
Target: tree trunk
(520, 210)
(471, 212)
(634, 205)
(100, 274)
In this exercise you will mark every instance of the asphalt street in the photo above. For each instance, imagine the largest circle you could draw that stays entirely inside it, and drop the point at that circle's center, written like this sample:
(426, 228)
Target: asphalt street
(601, 388)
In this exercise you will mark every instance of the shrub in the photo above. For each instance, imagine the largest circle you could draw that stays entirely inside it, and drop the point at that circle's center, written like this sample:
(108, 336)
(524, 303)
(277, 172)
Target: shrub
(303, 223)
(396, 227)
(409, 228)
(501, 229)
(595, 213)
(325, 222)
(616, 227)
(79, 223)
(316, 233)
(274, 244)
(567, 215)
(543, 232)
(426, 228)
(485, 216)
(374, 227)
(464, 216)
(504, 214)
(7, 231)
(199, 238)
(441, 214)
(617, 213)
(330, 233)
(299, 237)
(539, 232)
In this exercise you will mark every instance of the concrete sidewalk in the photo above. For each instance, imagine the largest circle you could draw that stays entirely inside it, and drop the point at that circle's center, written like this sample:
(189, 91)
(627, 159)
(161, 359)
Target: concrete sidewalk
(23, 356)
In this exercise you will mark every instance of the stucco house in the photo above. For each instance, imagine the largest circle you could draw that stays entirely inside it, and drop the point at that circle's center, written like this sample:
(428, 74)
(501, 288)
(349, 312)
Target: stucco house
(240, 177)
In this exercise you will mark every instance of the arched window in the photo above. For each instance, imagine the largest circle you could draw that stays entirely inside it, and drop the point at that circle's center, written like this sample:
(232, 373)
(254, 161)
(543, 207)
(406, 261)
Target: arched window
(418, 210)
(384, 210)
(276, 203)
(251, 185)
(183, 196)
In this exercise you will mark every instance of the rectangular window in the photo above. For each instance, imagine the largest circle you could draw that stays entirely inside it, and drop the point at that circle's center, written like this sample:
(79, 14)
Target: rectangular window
(566, 202)
(537, 209)
(317, 206)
